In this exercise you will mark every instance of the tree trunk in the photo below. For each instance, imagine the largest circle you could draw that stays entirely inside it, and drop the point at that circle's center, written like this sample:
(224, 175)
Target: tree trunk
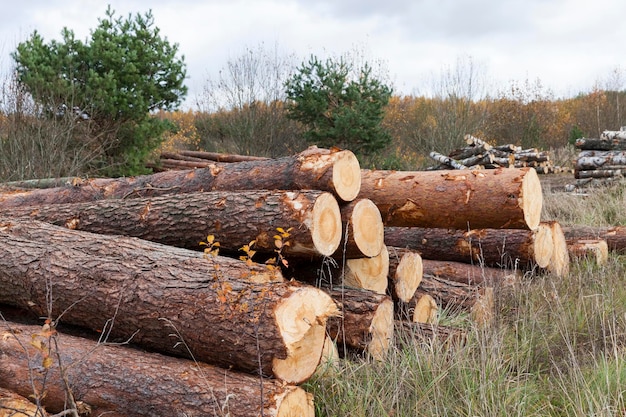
(445, 160)
(364, 235)
(596, 249)
(594, 144)
(467, 273)
(450, 294)
(313, 169)
(221, 157)
(122, 381)
(366, 322)
(589, 160)
(600, 173)
(501, 248)
(405, 273)
(15, 405)
(151, 292)
(498, 198)
(233, 218)
(424, 308)
(613, 134)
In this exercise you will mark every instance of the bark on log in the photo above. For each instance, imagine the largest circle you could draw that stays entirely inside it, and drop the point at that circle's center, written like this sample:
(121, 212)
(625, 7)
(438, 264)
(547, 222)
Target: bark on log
(449, 294)
(595, 144)
(366, 323)
(613, 134)
(221, 157)
(559, 262)
(151, 291)
(233, 218)
(405, 273)
(363, 230)
(15, 405)
(122, 381)
(313, 169)
(600, 173)
(615, 236)
(596, 249)
(501, 248)
(468, 273)
(589, 160)
(499, 198)
(408, 333)
(474, 141)
(442, 159)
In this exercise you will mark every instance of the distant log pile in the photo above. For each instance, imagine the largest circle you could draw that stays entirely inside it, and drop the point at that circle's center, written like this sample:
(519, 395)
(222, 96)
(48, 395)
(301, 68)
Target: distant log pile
(300, 256)
(601, 160)
(479, 154)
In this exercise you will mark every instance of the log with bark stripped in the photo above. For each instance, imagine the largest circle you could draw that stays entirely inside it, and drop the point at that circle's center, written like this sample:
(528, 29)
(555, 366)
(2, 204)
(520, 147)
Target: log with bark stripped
(501, 248)
(313, 169)
(233, 218)
(151, 291)
(366, 322)
(596, 249)
(499, 198)
(405, 273)
(121, 381)
(469, 274)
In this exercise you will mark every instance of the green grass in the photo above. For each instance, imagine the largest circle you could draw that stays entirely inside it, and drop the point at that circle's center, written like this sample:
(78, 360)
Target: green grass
(556, 347)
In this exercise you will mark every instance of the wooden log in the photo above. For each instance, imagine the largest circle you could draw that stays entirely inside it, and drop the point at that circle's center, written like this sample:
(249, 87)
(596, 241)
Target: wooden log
(595, 249)
(500, 248)
(407, 333)
(467, 152)
(405, 273)
(499, 198)
(15, 405)
(425, 309)
(595, 144)
(615, 236)
(179, 157)
(182, 164)
(469, 274)
(445, 160)
(369, 273)
(559, 262)
(589, 160)
(600, 173)
(152, 291)
(121, 381)
(313, 169)
(613, 134)
(366, 323)
(221, 157)
(474, 141)
(233, 218)
(363, 230)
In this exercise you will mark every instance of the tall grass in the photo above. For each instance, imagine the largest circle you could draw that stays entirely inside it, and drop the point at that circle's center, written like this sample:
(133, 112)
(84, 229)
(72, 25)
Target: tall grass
(554, 348)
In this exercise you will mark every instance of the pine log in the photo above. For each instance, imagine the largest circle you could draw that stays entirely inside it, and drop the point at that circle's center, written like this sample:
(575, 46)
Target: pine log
(150, 292)
(369, 273)
(366, 322)
(559, 262)
(613, 134)
(15, 405)
(221, 157)
(363, 230)
(233, 218)
(595, 144)
(596, 249)
(330, 359)
(425, 309)
(405, 273)
(121, 381)
(500, 248)
(469, 274)
(407, 333)
(451, 295)
(313, 169)
(500, 198)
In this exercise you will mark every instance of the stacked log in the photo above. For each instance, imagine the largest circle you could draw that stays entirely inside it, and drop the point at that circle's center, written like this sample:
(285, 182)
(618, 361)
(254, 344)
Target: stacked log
(479, 154)
(601, 160)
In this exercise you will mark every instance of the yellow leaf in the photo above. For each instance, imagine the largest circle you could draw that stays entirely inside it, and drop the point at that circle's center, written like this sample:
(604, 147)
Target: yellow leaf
(47, 362)
(280, 229)
(278, 243)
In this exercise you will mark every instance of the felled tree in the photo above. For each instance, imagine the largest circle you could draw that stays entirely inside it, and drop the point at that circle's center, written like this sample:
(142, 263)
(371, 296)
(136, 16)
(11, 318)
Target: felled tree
(337, 109)
(112, 81)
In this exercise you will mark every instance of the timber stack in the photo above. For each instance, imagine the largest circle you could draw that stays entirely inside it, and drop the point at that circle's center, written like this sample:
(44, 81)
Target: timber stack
(601, 161)
(245, 277)
(478, 154)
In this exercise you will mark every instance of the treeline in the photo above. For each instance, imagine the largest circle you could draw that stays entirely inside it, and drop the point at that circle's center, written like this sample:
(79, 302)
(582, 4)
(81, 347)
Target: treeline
(417, 125)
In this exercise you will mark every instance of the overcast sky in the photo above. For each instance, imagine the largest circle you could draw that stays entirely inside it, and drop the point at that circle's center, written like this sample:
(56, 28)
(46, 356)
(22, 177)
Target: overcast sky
(569, 45)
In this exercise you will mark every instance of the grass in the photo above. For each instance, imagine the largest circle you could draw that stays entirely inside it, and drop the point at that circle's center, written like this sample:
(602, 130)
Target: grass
(556, 347)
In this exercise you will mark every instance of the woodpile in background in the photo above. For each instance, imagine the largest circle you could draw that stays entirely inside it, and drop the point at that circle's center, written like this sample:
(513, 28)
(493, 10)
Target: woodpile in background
(601, 161)
(304, 256)
(479, 154)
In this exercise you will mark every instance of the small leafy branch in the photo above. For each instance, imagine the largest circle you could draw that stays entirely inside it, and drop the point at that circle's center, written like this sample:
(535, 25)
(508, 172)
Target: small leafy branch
(280, 242)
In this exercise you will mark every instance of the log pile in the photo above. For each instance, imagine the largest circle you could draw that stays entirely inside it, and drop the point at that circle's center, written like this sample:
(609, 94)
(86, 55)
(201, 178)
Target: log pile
(241, 278)
(479, 154)
(601, 160)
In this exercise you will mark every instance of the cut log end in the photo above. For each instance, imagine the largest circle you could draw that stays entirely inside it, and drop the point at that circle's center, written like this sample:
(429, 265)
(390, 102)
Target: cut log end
(326, 228)
(543, 245)
(296, 402)
(532, 199)
(346, 176)
(596, 249)
(301, 319)
(368, 227)
(426, 310)
(407, 276)
(330, 358)
(369, 273)
(559, 263)
(483, 310)
(381, 330)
